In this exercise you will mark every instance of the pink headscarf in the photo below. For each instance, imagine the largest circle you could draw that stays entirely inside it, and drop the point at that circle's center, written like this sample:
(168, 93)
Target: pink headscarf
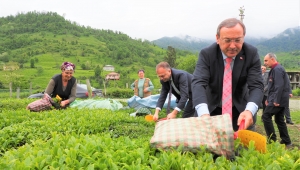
(67, 66)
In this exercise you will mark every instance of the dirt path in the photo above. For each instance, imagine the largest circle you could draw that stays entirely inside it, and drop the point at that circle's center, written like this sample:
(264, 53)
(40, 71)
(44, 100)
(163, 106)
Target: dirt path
(295, 104)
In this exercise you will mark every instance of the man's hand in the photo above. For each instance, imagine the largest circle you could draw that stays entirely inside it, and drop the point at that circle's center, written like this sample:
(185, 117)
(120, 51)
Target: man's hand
(291, 95)
(155, 116)
(276, 104)
(247, 115)
(172, 115)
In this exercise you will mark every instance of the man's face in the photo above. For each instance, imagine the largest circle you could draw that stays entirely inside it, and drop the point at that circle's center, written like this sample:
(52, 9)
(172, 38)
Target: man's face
(163, 74)
(268, 61)
(141, 74)
(263, 69)
(231, 40)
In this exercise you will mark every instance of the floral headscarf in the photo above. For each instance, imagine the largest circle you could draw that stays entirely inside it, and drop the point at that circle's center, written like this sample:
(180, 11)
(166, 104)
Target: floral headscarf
(67, 66)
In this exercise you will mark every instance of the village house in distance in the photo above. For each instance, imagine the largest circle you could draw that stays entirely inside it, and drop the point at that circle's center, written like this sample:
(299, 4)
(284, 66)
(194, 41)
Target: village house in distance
(113, 75)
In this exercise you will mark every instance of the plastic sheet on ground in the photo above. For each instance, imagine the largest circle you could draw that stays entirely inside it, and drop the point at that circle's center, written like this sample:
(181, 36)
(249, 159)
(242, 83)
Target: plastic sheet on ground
(97, 104)
(149, 102)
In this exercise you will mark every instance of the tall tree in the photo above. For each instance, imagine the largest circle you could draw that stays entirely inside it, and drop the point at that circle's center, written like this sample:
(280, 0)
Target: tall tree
(171, 56)
(32, 63)
(97, 71)
(188, 63)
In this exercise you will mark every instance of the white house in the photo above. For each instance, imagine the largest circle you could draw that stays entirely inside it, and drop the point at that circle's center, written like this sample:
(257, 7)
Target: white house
(109, 68)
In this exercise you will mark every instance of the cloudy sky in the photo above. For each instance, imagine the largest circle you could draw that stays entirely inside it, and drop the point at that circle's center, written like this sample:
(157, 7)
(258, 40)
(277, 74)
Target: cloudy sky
(153, 19)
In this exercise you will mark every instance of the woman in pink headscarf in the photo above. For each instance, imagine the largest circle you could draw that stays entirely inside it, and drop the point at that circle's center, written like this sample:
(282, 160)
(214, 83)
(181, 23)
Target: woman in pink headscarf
(63, 84)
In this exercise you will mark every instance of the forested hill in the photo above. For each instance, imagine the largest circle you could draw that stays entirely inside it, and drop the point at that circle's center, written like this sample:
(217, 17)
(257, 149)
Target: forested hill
(287, 41)
(184, 43)
(40, 42)
(26, 35)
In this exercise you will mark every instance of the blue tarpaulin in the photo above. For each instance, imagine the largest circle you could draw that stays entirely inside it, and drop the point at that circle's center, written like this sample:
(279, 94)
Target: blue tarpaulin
(149, 102)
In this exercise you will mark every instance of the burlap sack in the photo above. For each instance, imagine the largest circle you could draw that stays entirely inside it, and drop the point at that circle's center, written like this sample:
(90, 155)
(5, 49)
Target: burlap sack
(214, 132)
(42, 104)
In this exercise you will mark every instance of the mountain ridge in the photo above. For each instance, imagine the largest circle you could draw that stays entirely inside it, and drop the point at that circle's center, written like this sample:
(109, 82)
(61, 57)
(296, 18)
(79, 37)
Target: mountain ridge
(286, 41)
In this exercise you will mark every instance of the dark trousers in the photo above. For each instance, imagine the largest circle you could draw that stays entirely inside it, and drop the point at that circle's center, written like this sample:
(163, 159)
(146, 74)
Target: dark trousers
(287, 114)
(189, 110)
(235, 116)
(278, 112)
(264, 103)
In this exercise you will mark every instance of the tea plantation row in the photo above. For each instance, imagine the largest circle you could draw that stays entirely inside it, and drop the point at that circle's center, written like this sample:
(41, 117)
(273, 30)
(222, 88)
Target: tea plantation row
(105, 139)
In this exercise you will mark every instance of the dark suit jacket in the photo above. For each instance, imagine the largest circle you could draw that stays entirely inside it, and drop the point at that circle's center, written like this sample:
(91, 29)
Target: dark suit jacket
(182, 81)
(279, 87)
(247, 83)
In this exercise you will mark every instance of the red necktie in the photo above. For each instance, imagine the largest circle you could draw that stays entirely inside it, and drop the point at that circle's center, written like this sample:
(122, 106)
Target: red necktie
(227, 89)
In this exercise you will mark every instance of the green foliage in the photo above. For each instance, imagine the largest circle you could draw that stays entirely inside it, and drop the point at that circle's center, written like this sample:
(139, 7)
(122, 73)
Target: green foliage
(296, 92)
(119, 93)
(102, 139)
(171, 57)
(97, 71)
(1, 85)
(32, 63)
(49, 40)
(40, 71)
(285, 42)
(188, 63)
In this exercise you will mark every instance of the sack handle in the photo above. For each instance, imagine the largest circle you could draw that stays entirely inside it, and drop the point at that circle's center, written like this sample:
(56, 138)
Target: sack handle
(241, 127)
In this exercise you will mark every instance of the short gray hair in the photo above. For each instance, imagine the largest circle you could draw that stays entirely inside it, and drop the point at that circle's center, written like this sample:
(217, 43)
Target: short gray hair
(272, 55)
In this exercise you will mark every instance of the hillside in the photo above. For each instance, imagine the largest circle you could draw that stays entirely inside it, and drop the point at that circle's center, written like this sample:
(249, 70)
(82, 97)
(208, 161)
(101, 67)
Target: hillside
(287, 41)
(286, 46)
(40, 42)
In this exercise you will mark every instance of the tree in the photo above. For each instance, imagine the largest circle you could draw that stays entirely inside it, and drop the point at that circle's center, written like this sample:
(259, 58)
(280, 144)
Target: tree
(1, 85)
(188, 63)
(97, 71)
(32, 63)
(171, 56)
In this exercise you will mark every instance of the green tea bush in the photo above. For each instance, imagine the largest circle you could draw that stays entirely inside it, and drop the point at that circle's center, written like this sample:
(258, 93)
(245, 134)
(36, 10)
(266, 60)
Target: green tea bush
(119, 93)
(296, 92)
(103, 139)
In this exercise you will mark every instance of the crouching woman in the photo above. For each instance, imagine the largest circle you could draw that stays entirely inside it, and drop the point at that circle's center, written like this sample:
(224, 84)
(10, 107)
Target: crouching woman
(63, 85)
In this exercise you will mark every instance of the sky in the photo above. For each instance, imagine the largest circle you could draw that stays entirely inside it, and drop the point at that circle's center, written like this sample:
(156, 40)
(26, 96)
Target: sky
(154, 19)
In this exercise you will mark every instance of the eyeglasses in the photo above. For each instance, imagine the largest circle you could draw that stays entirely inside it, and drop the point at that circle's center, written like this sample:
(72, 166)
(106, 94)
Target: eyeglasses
(234, 40)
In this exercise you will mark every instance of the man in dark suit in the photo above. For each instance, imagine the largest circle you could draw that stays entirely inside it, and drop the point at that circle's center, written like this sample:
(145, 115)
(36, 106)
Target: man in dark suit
(277, 100)
(247, 84)
(179, 83)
